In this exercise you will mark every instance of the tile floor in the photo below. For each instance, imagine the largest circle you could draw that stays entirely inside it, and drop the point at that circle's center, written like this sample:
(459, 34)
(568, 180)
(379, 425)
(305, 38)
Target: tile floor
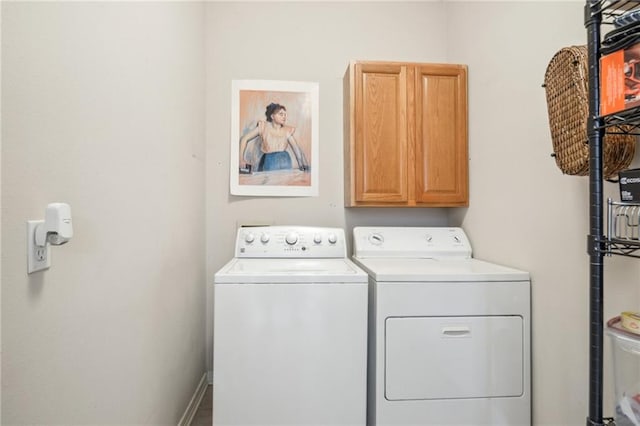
(204, 415)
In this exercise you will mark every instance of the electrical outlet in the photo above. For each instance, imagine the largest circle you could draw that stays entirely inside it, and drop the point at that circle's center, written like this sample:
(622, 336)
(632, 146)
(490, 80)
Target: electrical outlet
(38, 257)
(41, 254)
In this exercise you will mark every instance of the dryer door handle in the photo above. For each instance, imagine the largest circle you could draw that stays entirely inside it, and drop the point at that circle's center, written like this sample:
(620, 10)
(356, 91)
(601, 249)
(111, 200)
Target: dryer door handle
(456, 331)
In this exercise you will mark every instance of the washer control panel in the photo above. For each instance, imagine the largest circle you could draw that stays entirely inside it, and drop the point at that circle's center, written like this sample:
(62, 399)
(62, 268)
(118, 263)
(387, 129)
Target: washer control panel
(291, 242)
(411, 242)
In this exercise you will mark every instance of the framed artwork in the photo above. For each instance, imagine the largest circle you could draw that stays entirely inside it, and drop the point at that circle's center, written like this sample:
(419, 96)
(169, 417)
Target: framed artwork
(274, 138)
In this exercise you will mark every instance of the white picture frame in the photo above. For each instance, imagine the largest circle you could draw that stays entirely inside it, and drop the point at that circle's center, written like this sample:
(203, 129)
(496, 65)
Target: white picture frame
(252, 173)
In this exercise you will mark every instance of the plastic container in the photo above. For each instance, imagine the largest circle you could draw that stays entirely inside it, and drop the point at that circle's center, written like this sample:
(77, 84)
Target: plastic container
(626, 370)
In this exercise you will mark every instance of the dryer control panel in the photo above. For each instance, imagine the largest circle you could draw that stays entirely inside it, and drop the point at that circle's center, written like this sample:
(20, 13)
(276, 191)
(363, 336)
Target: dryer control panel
(411, 242)
(291, 242)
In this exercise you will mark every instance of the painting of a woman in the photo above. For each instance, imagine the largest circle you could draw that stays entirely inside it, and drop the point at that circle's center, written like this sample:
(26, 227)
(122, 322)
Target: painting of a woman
(274, 140)
(275, 137)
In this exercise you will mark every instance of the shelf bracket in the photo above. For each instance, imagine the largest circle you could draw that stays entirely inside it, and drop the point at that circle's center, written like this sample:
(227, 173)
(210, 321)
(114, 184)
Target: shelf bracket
(607, 421)
(596, 245)
(588, 14)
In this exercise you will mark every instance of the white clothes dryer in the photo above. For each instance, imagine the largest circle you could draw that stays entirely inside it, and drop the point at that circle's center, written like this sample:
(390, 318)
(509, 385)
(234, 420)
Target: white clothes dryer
(449, 335)
(290, 331)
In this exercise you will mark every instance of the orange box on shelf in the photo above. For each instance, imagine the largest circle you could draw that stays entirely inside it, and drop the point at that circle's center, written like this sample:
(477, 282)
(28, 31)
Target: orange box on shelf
(620, 80)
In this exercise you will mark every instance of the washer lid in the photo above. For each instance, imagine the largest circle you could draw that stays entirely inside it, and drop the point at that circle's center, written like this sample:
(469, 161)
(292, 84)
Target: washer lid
(438, 270)
(240, 270)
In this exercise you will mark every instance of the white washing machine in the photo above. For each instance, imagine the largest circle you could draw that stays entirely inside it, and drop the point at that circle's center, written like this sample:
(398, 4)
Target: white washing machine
(449, 340)
(290, 331)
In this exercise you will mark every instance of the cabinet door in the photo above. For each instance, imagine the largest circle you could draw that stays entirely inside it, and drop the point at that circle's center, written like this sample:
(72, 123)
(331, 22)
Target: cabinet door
(380, 124)
(441, 163)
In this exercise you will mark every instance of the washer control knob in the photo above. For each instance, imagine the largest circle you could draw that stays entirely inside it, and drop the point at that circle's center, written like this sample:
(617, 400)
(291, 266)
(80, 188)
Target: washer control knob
(317, 238)
(332, 238)
(264, 238)
(249, 238)
(291, 238)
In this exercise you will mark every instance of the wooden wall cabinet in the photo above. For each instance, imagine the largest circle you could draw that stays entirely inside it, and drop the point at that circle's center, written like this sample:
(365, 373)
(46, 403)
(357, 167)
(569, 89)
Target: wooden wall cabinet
(406, 135)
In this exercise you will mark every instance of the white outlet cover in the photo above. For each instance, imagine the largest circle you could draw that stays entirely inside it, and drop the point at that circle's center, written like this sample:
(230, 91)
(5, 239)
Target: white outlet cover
(38, 258)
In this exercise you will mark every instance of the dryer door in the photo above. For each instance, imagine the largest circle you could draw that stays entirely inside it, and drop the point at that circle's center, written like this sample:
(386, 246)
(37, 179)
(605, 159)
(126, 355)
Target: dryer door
(454, 357)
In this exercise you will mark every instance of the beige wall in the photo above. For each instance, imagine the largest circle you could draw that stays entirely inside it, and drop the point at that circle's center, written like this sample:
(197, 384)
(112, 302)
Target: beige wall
(103, 108)
(303, 42)
(0, 226)
(523, 211)
(307, 42)
(132, 100)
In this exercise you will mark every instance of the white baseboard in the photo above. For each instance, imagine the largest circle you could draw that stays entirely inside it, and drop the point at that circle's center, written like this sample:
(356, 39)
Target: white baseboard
(192, 408)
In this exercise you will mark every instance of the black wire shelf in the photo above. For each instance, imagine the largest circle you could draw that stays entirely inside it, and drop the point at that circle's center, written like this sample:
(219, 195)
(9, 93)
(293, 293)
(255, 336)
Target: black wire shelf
(627, 121)
(623, 248)
(624, 122)
(610, 9)
(623, 237)
(623, 231)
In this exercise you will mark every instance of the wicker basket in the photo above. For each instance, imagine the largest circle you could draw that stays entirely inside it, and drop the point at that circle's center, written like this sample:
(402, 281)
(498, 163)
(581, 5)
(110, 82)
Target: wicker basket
(567, 90)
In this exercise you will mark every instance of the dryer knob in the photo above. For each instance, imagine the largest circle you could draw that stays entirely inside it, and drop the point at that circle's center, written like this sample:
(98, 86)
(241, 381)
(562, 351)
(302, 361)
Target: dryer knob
(291, 238)
(376, 239)
(264, 238)
(317, 238)
(332, 238)
(249, 237)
